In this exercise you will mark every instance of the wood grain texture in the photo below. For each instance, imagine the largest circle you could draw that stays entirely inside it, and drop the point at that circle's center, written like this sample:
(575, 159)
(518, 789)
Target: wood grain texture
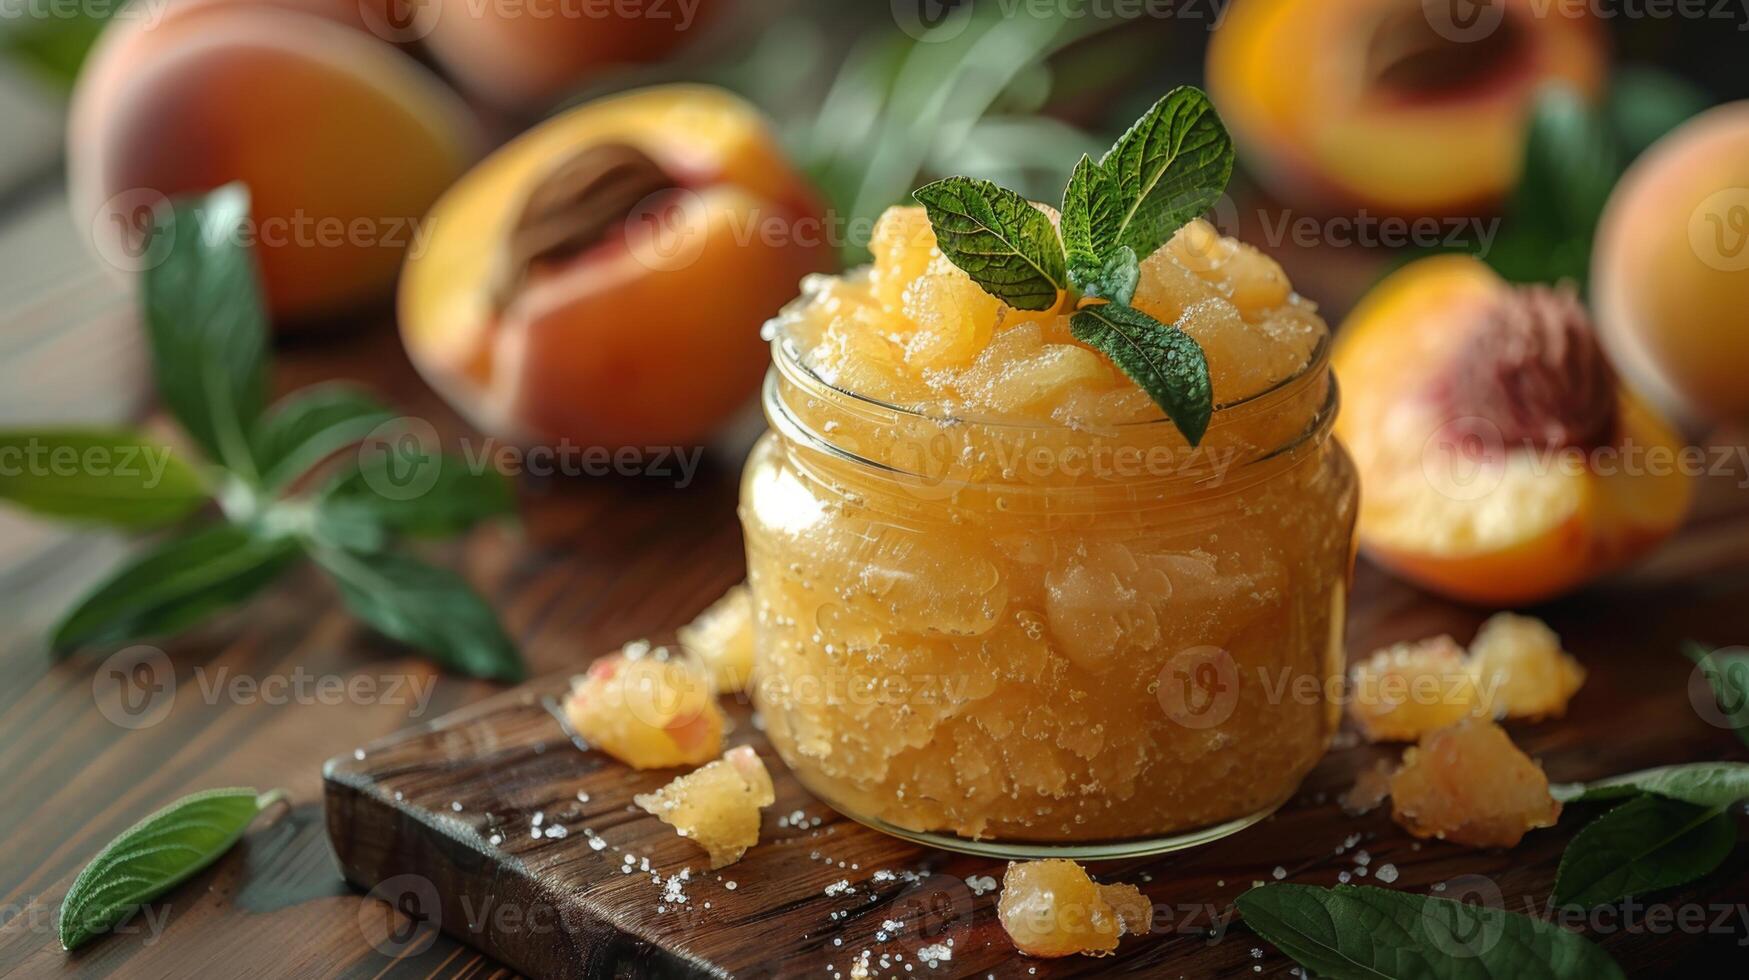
(441, 822)
(596, 562)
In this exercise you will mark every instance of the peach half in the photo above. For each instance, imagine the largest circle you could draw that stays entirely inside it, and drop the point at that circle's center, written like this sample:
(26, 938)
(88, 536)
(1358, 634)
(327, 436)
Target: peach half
(1412, 107)
(343, 140)
(602, 279)
(1501, 462)
(1670, 270)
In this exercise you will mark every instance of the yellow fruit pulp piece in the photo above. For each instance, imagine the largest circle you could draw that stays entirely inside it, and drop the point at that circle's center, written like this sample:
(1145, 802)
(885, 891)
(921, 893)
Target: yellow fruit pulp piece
(722, 637)
(1470, 785)
(717, 805)
(647, 708)
(1051, 908)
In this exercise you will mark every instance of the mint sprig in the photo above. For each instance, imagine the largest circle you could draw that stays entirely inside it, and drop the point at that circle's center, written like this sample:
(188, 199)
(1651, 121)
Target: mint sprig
(287, 480)
(1172, 165)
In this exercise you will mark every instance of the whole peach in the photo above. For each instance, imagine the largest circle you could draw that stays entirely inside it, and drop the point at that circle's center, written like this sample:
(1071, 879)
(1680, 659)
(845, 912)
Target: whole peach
(1670, 271)
(525, 54)
(343, 140)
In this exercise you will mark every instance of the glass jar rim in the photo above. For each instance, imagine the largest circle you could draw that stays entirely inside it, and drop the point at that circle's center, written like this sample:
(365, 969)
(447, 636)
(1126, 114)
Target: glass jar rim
(790, 370)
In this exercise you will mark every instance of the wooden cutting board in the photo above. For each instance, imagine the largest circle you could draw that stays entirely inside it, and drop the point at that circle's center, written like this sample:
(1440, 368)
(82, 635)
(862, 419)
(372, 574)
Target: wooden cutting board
(439, 822)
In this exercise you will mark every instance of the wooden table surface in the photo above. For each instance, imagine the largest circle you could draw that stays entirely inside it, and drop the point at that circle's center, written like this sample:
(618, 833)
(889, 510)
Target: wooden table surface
(593, 563)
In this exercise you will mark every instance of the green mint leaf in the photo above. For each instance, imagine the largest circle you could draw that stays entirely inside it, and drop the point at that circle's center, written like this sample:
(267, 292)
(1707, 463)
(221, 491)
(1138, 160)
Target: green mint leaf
(309, 425)
(98, 476)
(425, 607)
(1728, 673)
(1170, 167)
(154, 856)
(1163, 359)
(1707, 784)
(425, 494)
(206, 324)
(1116, 279)
(173, 585)
(1646, 844)
(998, 238)
(1091, 215)
(1368, 933)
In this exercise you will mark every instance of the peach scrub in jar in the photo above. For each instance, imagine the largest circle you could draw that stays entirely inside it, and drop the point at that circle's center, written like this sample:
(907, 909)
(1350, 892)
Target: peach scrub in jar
(1002, 604)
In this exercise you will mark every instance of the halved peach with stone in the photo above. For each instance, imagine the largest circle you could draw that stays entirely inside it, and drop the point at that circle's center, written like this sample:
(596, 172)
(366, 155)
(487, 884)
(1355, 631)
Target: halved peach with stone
(343, 140)
(1501, 460)
(603, 278)
(1409, 106)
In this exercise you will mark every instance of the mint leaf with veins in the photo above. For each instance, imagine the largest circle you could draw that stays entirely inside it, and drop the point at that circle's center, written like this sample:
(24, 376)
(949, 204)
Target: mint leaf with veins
(1165, 361)
(1091, 213)
(1169, 168)
(998, 238)
(1646, 844)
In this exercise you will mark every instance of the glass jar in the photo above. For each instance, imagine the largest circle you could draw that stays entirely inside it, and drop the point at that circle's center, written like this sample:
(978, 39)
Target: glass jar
(1042, 640)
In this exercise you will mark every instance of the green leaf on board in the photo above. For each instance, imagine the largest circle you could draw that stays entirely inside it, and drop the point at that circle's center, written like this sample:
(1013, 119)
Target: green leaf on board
(1361, 933)
(998, 238)
(154, 856)
(1644, 845)
(1164, 360)
(98, 476)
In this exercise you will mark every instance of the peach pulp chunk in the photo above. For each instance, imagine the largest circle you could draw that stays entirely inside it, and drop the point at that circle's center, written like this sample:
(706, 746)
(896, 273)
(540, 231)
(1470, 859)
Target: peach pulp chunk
(647, 708)
(1052, 908)
(1521, 669)
(1404, 691)
(1470, 785)
(998, 596)
(717, 805)
(722, 637)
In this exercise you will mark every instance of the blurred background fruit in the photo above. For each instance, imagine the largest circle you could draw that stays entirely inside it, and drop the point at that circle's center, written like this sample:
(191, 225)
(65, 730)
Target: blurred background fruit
(1501, 461)
(1671, 270)
(1413, 107)
(343, 140)
(603, 278)
(527, 55)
